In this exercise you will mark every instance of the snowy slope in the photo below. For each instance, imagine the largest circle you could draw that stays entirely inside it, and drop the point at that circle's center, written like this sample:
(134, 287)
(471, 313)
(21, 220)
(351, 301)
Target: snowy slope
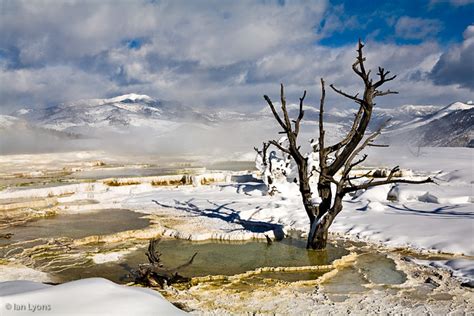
(118, 114)
(450, 126)
(436, 115)
(425, 125)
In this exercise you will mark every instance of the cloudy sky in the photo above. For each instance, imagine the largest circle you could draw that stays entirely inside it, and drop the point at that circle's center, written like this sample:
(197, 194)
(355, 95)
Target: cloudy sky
(229, 53)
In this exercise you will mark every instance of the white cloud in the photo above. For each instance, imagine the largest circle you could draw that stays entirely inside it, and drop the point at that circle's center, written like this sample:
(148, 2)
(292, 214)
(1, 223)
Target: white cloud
(469, 32)
(456, 65)
(417, 28)
(211, 53)
(50, 84)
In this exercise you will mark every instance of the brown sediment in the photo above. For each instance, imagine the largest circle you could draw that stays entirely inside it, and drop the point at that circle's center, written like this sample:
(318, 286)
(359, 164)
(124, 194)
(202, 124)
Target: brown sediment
(118, 183)
(172, 181)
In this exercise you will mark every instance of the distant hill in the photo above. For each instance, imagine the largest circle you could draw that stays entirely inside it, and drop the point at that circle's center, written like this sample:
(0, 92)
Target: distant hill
(450, 126)
(421, 125)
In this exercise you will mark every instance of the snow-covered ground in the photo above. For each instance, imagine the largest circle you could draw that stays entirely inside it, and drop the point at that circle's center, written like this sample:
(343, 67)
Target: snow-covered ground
(435, 218)
(94, 296)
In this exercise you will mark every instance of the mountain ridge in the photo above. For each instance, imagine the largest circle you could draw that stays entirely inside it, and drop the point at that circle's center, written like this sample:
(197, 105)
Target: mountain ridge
(120, 114)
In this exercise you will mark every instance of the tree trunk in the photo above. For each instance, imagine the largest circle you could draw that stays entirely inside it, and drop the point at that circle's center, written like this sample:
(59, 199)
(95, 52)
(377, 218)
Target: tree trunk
(305, 189)
(318, 235)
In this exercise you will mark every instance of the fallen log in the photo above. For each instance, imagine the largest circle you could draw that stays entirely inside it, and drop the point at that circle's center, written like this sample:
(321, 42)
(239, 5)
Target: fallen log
(154, 274)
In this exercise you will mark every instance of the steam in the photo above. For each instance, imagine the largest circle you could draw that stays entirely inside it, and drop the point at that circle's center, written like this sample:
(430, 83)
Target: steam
(222, 140)
(183, 139)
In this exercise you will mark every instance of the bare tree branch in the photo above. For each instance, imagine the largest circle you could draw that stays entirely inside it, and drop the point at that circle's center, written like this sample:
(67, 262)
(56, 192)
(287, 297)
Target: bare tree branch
(359, 177)
(349, 165)
(263, 152)
(360, 63)
(275, 113)
(283, 149)
(283, 107)
(342, 155)
(378, 145)
(382, 93)
(322, 150)
(383, 77)
(354, 97)
(387, 181)
(342, 143)
(300, 115)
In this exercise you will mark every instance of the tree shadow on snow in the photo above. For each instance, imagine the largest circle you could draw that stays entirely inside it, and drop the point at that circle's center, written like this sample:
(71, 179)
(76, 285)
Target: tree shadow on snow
(228, 214)
(441, 212)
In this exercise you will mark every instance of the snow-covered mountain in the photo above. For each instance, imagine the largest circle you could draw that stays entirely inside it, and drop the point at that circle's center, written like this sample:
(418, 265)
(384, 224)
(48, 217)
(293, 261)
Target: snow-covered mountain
(118, 114)
(418, 125)
(425, 125)
(452, 125)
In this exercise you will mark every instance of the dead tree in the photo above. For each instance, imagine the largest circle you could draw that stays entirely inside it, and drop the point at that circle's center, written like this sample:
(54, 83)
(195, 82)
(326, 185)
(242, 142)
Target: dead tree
(265, 165)
(335, 161)
(274, 169)
(154, 274)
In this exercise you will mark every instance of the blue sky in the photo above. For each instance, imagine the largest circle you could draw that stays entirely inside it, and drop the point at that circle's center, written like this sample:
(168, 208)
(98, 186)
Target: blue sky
(378, 20)
(229, 53)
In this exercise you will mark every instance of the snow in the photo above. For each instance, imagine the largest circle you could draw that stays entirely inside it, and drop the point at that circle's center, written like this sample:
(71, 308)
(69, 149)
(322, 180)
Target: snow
(461, 268)
(19, 272)
(130, 96)
(460, 106)
(410, 110)
(410, 222)
(435, 218)
(428, 217)
(94, 296)
(425, 115)
(418, 110)
(109, 257)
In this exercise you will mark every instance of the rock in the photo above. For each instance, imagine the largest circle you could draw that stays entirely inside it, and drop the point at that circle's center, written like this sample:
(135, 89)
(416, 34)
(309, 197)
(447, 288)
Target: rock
(429, 280)
(394, 193)
(468, 284)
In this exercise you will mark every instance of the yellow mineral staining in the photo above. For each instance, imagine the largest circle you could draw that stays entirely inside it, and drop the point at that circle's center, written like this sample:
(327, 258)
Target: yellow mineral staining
(171, 182)
(338, 265)
(138, 234)
(46, 202)
(331, 268)
(207, 181)
(117, 183)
